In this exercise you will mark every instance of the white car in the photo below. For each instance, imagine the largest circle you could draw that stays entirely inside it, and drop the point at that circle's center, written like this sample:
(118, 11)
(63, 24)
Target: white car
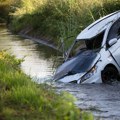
(94, 57)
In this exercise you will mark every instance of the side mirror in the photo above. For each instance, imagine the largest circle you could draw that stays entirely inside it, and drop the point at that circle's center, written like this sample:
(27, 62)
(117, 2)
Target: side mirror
(112, 41)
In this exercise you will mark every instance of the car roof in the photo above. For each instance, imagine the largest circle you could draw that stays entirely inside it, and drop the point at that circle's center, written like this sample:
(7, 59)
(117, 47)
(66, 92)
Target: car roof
(98, 26)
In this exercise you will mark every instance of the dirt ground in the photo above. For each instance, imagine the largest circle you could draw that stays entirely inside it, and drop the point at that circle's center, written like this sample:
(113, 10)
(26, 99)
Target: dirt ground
(102, 100)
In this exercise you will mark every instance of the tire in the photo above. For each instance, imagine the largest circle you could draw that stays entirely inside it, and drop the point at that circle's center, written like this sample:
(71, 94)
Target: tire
(109, 75)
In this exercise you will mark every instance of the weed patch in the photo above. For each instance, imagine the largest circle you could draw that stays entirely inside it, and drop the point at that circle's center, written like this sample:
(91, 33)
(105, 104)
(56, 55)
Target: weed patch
(21, 98)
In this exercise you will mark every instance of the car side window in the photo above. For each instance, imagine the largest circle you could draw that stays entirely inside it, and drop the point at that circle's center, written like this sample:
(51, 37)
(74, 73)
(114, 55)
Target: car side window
(114, 31)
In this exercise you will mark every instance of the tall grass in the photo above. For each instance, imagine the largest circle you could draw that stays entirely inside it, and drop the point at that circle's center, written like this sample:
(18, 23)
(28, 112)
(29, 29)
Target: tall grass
(55, 18)
(22, 99)
(60, 18)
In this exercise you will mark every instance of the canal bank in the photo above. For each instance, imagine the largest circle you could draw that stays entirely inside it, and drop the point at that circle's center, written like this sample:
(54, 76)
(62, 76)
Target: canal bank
(39, 40)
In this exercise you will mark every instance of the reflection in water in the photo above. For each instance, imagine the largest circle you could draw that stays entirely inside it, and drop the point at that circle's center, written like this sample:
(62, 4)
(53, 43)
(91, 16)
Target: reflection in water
(38, 58)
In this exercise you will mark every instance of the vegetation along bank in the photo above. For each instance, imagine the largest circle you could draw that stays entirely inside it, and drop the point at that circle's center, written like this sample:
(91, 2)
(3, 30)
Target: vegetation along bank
(54, 19)
(22, 99)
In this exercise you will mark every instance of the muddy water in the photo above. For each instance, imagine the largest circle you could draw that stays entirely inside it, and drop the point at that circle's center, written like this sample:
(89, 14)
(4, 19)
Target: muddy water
(102, 100)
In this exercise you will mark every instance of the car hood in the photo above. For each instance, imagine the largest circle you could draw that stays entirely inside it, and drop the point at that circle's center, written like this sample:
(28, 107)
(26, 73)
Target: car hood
(81, 63)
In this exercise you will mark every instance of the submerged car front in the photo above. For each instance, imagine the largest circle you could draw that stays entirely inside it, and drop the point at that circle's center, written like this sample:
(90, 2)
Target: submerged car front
(81, 64)
(79, 68)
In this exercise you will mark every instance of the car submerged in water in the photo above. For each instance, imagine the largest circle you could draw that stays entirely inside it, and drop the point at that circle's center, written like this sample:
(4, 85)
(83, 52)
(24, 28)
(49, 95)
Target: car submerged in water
(94, 57)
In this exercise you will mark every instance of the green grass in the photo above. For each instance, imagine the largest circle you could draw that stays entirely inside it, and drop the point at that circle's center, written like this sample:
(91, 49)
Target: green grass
(55, 19)
(23, 99)
(60, 18)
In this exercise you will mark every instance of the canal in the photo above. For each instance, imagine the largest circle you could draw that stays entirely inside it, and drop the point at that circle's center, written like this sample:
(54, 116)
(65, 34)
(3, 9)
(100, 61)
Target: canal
(102, 100)
(38, 59)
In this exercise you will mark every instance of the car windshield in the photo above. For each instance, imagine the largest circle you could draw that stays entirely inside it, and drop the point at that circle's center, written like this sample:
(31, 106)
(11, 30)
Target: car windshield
(90, 44)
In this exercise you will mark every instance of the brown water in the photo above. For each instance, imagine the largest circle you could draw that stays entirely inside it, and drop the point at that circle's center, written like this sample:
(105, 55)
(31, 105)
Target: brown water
(100, 99)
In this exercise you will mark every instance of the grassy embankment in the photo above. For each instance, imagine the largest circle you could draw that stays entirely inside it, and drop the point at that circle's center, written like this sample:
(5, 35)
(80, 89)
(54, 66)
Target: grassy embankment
(55, 19)
(22, 99)
(59, 18)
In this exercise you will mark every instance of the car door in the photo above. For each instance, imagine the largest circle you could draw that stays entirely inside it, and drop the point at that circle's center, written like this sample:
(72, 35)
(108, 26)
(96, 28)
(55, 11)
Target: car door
(114, 32)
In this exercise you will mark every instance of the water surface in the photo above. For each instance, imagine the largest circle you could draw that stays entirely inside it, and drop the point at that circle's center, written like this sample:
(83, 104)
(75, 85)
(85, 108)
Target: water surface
(38, 59)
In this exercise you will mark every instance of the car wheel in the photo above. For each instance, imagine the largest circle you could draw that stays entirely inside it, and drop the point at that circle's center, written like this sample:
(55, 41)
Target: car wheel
(109, 75)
